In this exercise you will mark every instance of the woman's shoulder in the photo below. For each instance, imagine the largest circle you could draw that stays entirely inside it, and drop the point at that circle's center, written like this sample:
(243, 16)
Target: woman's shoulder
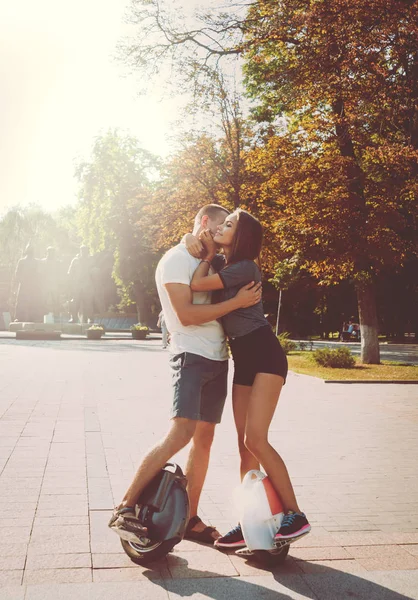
(245, 263)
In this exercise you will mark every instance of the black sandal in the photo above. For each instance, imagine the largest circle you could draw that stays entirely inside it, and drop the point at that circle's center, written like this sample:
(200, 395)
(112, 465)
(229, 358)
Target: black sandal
(204, 536)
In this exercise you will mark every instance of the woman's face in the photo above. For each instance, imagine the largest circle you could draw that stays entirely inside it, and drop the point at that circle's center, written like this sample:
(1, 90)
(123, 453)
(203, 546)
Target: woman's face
(225, 232)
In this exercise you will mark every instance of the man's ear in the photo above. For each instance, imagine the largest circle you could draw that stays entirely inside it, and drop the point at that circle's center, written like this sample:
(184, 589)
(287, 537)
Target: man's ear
(204, 221)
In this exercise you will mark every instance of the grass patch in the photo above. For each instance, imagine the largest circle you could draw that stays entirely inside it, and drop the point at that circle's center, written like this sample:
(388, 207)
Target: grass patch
(303, 362)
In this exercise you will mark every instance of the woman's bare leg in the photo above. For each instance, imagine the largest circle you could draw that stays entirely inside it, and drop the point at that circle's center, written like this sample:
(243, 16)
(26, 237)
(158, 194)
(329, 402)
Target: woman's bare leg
(241, 395)
(264, 396)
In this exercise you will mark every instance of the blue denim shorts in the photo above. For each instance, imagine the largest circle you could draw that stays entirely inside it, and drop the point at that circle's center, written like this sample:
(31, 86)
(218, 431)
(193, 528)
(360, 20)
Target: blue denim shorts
(199, 386)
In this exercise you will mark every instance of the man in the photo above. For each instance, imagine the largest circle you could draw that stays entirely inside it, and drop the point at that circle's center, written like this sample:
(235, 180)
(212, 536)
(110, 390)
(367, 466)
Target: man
(164, 331)
(199, 365)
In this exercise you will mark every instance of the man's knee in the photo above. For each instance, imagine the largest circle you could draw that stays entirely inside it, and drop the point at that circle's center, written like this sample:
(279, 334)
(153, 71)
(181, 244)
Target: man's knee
(181, 432)
(203, 435)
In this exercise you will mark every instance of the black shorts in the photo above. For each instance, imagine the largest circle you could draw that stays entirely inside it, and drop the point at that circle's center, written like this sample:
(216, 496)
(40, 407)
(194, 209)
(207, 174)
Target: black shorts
(257, 352)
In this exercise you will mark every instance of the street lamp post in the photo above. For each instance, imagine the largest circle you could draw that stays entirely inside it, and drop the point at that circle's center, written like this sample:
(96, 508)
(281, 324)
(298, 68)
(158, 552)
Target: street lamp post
(278, 312)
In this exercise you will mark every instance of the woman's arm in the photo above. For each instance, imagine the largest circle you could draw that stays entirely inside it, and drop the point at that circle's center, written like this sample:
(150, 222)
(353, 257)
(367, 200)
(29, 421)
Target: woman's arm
(195, 314)
(201, 280)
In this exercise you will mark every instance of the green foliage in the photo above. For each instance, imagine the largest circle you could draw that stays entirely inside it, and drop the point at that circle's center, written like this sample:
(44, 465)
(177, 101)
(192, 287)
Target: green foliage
(116, 187)
(338, 358)
(286, 344)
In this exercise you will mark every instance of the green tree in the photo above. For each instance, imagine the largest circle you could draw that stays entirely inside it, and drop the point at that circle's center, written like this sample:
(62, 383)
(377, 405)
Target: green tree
(116, 186)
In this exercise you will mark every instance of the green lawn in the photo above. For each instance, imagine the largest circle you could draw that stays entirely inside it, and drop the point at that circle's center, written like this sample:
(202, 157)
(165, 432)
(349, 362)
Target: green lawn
(303, 362)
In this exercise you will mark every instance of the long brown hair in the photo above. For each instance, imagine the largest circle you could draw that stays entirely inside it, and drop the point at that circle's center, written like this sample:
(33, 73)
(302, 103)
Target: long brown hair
(248, 237)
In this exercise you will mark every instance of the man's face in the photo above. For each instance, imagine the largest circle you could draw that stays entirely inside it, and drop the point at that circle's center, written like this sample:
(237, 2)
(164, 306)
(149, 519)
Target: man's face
(213, 224)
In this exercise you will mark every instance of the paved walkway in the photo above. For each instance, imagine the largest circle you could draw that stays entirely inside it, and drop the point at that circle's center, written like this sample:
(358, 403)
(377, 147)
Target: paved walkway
(75, 416)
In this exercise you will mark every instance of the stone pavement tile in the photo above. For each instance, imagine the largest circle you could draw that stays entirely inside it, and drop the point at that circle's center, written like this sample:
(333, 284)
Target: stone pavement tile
(17, 483)
(323, 553)
(267, 587)
(404, 538)
(136, 590)
(58, 561)
(324, 566)
(403, 583)
(43, 534)
(60, 546)
(317, 539)
(37, 577)
(47, 501)
(411, 549)
(20, 520)
(64, 520)
(54, 490)
(112, 561)
(102, 539)
(138, 574)
(12, 592)
(376, 551)
(10, 494)
(9, 563)
(24, 506)
(390, 563)
(12, 577)
(15, 534)
(361, 539)
(198, 564)
(248, 568)
(15, 548)
(365, 586)
(191, 546)
(62, 510)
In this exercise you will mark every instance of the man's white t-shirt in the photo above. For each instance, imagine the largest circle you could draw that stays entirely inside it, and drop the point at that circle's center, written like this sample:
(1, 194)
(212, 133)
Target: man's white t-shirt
(207, 340)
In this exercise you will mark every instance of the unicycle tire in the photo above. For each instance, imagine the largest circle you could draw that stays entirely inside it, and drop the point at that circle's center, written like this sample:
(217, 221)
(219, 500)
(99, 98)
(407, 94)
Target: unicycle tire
(142, 555)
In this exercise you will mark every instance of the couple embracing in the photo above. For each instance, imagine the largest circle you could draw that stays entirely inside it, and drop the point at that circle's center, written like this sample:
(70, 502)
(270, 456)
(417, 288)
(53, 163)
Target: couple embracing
(206, 296)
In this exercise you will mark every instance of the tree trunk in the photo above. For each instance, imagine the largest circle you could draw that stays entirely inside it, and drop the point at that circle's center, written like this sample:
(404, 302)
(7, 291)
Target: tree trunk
(366, 298)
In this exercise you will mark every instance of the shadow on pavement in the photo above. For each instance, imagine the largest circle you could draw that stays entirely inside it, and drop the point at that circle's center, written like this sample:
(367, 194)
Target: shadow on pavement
(318, 583)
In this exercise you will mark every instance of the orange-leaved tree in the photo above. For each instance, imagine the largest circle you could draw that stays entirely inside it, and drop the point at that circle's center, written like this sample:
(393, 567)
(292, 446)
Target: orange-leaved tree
(344, 177)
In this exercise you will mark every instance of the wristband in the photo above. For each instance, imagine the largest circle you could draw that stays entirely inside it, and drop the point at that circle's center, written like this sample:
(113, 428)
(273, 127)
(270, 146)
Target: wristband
(206, 260)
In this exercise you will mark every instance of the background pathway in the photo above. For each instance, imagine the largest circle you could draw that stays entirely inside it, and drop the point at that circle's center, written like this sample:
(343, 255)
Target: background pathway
(75, 417)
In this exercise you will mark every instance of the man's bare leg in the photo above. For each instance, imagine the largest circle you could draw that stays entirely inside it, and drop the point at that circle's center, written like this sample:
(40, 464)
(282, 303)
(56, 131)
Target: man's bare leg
(197, 466)
(179, 435)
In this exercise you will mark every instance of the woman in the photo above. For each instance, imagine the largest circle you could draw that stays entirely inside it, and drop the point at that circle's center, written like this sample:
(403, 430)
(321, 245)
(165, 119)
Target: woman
(260, 365)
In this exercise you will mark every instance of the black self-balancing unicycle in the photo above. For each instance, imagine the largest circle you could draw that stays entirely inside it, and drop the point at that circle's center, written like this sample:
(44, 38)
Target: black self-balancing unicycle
(163, 508)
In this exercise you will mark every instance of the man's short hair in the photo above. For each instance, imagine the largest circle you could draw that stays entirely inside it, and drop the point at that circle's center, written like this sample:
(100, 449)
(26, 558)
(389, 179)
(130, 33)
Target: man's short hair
(210, 210)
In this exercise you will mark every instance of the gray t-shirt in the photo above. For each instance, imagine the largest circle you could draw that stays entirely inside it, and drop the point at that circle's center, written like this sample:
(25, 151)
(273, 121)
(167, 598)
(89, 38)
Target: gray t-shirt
(234, 276)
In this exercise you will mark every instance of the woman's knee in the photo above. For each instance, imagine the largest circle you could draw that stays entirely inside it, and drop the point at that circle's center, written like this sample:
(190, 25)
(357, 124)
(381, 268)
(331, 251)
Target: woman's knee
(242, 448)
(255, 443)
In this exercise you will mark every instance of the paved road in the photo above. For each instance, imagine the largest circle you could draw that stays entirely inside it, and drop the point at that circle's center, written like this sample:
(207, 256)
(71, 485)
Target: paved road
(407, 353)
(75, 417)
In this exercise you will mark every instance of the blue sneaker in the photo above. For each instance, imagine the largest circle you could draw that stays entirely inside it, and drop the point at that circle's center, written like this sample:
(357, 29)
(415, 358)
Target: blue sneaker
(233, 539)
(293, 527)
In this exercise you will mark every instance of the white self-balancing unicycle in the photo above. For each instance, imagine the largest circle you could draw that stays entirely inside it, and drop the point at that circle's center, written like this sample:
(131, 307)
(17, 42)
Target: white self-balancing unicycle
(261, 517)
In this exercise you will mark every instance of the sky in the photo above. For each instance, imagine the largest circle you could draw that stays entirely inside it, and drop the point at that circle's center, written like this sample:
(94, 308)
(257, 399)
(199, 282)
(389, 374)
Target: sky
(61, 87)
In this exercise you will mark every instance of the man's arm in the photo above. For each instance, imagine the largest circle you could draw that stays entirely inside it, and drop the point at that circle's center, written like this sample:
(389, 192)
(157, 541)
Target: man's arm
(195, 314)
